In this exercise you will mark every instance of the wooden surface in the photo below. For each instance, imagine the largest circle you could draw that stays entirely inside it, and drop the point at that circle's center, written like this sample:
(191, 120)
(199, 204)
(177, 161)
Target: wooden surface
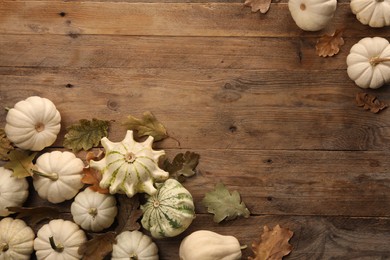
(246, 91)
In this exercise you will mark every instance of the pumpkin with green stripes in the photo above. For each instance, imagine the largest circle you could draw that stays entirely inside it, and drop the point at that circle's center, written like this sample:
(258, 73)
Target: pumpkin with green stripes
(168, 212)
(130, 167)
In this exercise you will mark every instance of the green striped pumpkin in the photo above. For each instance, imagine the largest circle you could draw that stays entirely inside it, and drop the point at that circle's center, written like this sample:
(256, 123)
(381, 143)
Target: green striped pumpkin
(168, 212)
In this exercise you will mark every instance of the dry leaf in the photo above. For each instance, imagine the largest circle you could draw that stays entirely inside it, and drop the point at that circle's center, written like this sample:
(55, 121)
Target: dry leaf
(369, 102)
(98, 247)
(20, 162)
(182, 166)
(147, 125)
(128, 213)
(258, 5)
(5, 146)
(35, 215)
(93, 177)
(93, 156)
(273, 244)
(329, 45)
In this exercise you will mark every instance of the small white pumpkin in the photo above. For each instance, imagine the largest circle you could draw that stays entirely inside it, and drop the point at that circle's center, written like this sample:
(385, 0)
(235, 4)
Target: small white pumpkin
(134, 245)
(208, 245)
(168, 212)
(33, 124)
(94, 211)
(59, 239)
(312, 15)
(58, 176)
(13, 191)
(16, 240)
(375, 13)
(369, 62)
(130, 167)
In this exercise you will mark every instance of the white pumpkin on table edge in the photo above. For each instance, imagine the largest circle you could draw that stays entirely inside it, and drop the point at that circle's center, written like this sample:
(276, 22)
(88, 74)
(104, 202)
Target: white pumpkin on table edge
(374, 13)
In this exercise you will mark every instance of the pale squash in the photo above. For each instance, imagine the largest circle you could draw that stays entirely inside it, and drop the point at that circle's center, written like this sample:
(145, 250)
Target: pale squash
(134, 245)
(375, 13)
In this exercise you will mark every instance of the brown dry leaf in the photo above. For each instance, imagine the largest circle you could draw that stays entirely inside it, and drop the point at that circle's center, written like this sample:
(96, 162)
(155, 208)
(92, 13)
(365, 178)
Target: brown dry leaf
(369, 102)
(98, 247)
(273, 244)
(94, 156)
(93, 177)
(258, 5)
(35, 215)
(5, 146)
(329, 45)
(128, 213)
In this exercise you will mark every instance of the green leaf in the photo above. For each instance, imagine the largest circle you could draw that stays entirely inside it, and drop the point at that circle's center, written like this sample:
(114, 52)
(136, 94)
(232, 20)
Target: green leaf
(183, 165)
(35, 215)
(85, 134)
(224, 205)
(147, 125)
(5, 146)
(20, 162)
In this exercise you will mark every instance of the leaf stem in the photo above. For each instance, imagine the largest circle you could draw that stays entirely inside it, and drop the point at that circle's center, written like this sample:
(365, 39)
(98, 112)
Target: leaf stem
(376, 60)
(4, 247)
(52, 176)
(56, 247)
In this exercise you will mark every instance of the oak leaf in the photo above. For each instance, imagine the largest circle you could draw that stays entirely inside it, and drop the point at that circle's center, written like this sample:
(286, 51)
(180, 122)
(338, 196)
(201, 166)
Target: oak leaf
(182, 166)
(329, 45)
(258, 5)
(85, 134)
(370, 102)
(5, 146)
(128, 213)
(36, 214)
(21, 163)
(93, 177)
(98, 247)
(147, 125)
(223, 205)
(273, 244)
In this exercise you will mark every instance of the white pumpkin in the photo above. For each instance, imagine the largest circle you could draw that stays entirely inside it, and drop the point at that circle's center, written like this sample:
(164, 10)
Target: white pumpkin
(369, 62)
(58, 176)
(59, 239)
(33, 124)
(375, 13)
(16, 240)
(134, 245)
(312, 15)
(94, 211)
(13, 191)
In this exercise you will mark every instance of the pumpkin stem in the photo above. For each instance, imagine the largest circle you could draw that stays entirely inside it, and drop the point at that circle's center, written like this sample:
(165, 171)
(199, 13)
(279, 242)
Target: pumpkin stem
(133, 256)
(4, 247)
(39, 127)
(58, 248)
(130, 157)
(52, 176)
(93, 212)
(243, 247)
(376, 60)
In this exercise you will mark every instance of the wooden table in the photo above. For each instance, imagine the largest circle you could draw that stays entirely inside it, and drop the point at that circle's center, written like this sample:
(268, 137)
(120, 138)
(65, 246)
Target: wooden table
(246, 91)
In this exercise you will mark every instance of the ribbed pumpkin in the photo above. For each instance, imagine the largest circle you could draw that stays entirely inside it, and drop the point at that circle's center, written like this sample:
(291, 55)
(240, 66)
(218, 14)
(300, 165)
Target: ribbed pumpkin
(134, 245)
(168, 212)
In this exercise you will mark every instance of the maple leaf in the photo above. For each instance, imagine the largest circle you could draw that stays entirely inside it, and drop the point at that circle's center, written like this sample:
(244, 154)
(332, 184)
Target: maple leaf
(224, 205)
(258, 5)
(329, 45)
(128, 213)
(35, 215)
(369, 102)
(20, 162)
(85, 134)
(5, 146)
(93, 177)
(273, 244)
(147, 125)
(98, 247)
(183, 165)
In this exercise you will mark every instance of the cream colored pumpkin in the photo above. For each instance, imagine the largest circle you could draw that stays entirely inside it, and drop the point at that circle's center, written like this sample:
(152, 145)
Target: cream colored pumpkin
(94, 211)
(375, 13)
(369, 62)
(312, 15)
(134, 245)
(58, 176)
(59, 239)
(13, 191)
(33, 124)
(16, 240)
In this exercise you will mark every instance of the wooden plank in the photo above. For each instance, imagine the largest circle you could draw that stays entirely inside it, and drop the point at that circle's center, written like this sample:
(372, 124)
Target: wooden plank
(168, 19)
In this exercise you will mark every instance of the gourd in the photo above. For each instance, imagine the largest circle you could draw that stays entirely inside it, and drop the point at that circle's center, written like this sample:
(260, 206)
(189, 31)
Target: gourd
(134, 245)
(369, 62)
(93, 211)
(58, 176)
(16, 239)
(13, 191)
(168, 212)
(375, 13)
(312, 15)
(59, 239)
(130, 167)
(33, 123)
(208, 245)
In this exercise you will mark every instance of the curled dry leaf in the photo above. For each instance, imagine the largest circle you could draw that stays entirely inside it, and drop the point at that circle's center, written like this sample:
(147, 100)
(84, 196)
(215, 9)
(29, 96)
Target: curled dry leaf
(20, 162)
(370, 102)
(5, 146)
(329, 45)
(128, 213)
(98, 247)
(273, 244)
(147, 125)
(182, 166)
(258, 5)
(93, 177)
(94, 156)
(35, 215)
